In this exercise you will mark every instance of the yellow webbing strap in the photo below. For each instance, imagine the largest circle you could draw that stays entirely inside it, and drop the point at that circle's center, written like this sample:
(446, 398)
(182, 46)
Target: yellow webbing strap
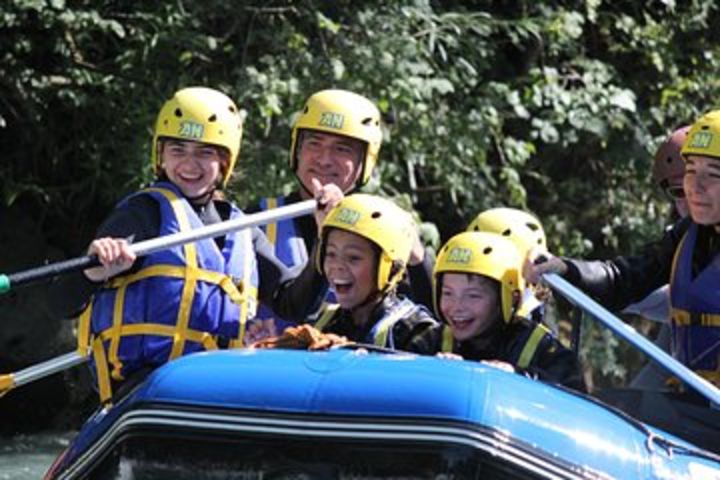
(447, 339)
(101, 367)
(271, 228)
(531, 345)
(684, 318)
(712, 376)
(327, 314)
(83, 334)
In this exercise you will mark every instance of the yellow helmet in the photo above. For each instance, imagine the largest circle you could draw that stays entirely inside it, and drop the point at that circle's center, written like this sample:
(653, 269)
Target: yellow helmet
(380, 221)
(203, 115)
(704, 136)
(482, 253)
(341, 112)
(518, 226)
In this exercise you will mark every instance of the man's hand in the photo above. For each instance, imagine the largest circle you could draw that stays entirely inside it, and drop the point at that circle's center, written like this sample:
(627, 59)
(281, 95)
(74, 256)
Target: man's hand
(327, 197)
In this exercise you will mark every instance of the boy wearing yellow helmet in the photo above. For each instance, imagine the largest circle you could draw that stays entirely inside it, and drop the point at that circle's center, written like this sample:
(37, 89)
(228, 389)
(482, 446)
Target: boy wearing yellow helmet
(144, 312)
(365, 244)
(335, 140)
(526, 232)
(477, 293)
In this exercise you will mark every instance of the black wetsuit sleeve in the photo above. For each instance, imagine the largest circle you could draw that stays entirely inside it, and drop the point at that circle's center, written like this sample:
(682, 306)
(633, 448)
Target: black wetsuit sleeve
(627, 279)
(139, 220)
(291, 293)
(418, 333)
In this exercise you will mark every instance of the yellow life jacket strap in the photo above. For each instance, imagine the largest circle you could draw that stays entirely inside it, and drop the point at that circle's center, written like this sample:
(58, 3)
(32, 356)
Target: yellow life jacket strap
(327, 314)
(531, 345)
(271, 228)
(83, 333)
(684, 318)
(447, 339)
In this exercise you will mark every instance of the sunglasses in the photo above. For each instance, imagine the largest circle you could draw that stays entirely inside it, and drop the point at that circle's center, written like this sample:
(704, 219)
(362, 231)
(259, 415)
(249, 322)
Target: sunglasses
(674, 192)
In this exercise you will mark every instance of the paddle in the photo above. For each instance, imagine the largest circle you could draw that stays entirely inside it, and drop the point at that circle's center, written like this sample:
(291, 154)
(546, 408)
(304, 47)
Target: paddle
(41, 370)
(14, 280)
(578, 298)
(9, 381)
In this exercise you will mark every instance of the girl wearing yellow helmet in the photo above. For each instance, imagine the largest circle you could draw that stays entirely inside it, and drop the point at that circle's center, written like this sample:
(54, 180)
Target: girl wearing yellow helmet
(477, 292)
(143, 312)
(365, 245)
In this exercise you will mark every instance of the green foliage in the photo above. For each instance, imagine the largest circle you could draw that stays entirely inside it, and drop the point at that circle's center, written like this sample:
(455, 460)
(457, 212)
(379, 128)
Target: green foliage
(551, 106)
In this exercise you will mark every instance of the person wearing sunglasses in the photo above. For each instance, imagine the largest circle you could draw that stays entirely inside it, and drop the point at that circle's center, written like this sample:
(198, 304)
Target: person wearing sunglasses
(669, 169)
(668, 172)
(688, 258)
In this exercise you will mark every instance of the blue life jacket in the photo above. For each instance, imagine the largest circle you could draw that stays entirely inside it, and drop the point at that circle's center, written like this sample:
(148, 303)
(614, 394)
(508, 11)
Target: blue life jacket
(695, 305)
(183, 299)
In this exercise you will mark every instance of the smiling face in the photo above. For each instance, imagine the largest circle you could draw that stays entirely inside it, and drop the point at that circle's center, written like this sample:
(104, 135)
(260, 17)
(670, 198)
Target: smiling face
(470, 304)
(702, 188)
(329, 159)
(195, 168)
(350, 265)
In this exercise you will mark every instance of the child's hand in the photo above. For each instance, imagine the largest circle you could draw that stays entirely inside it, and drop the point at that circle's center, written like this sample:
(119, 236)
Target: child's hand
(327, 196)
(114, 255)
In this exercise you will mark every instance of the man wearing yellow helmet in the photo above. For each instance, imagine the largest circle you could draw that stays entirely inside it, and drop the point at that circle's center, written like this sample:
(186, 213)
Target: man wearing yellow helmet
(477, 293)
(687, 256)
(335, 140)
(144, 312)
(365, 244)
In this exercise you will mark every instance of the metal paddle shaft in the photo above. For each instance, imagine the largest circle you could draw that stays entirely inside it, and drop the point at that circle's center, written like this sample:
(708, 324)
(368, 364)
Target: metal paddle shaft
(41, 370)
(577, 297)
(161, 243)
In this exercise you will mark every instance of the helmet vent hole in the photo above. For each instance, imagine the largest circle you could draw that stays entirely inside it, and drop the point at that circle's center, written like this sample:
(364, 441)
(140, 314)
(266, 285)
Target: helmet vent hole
(487, 250)
(705, 127)
(367, 121)
(232, 108)
(178, 112)
(477, 229)
(212, 118)
(532, 226)
(376, 215)
(307, 109)
(507, 233)
(165, 122)
(220, 132)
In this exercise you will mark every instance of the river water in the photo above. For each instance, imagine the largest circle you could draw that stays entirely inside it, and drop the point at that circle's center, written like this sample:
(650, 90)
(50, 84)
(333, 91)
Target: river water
(28, 456)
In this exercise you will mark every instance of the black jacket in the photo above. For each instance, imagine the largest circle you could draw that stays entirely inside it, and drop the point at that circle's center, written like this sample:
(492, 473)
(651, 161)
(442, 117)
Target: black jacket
(550, 362)
(626, 279)
(404, 331)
